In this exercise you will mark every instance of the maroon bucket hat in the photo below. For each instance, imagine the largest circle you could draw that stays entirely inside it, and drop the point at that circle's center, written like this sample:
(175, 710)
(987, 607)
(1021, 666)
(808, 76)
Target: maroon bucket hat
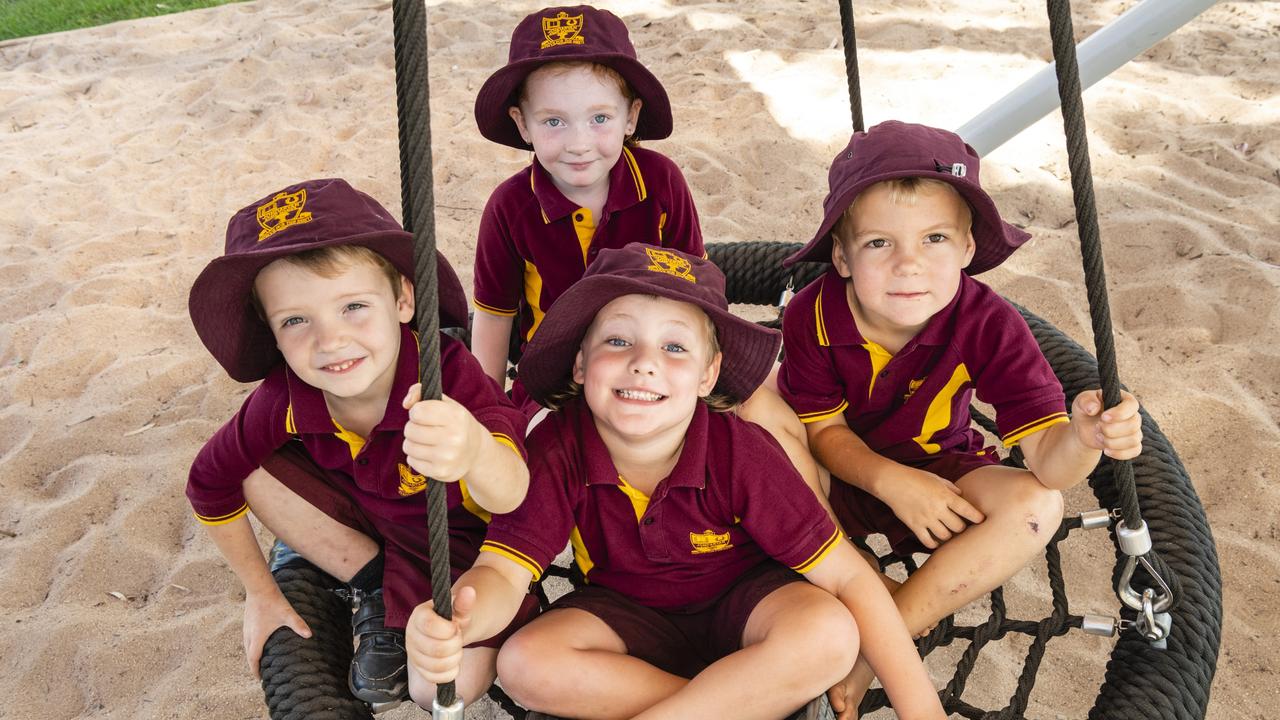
(749, 350)
(572, 34)
(305, 216)
(896, 149)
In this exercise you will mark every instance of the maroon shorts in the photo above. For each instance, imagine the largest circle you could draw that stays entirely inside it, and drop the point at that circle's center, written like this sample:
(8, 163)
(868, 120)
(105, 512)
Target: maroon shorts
(406, 576)
(861, 514)
(683, 643)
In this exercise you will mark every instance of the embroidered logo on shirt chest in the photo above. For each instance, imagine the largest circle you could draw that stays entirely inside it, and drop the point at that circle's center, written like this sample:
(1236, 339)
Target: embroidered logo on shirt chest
(912, 387)
(709, 542)
(411, 483)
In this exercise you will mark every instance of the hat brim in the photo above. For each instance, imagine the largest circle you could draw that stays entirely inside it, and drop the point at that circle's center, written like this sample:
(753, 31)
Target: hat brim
(748, 350)
(994, 239)
(229, 326)
(495, 96)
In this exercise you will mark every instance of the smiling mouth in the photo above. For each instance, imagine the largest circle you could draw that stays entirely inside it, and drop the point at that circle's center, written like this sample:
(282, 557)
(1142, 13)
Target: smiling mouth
(643, 395)
(343, 366)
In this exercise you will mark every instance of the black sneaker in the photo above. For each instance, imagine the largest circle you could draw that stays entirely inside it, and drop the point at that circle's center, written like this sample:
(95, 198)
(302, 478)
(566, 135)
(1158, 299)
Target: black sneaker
(378, 672)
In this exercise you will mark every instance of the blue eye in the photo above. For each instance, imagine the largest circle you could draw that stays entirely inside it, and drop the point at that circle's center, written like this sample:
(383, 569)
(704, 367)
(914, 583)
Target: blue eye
(355, 306)
(674, 347)
(616, 342)
(553, 122)
(291, 321)
(600, 119)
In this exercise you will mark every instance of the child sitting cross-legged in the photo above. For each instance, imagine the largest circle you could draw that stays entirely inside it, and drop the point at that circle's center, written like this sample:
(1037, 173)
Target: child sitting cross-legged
(331, 450)
(695, 534)
(885, 352)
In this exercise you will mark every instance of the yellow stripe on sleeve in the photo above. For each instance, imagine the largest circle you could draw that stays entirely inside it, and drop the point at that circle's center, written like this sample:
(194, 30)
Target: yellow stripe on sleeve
(811, 417)
(493, 310)
(514, 556)
(1034, 427)
(817, 557)
(506, 440)
(223, 519)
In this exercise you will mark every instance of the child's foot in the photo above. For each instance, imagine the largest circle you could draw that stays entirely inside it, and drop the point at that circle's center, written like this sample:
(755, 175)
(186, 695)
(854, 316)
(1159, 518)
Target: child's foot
(817, 709)
(378, 673)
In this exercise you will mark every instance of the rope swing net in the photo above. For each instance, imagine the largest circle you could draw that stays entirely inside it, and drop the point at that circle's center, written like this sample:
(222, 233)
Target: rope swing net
(1165, 575)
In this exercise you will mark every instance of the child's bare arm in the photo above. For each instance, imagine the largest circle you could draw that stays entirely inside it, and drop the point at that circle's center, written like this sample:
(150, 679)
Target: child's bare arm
(443, 440)
(1063, 455)
(884, 640)
(931, 506)
(768, 410)
(490, 341)
(265, 607)
(486, 598)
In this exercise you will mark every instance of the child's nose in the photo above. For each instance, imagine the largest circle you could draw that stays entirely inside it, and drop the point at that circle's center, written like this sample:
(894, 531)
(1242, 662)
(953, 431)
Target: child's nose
(644, 362)
(330, 336)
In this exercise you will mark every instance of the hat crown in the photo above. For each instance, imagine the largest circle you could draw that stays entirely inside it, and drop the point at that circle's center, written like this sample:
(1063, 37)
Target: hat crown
(673, 275)
(569, 31)
(306, 213)
(895, 148)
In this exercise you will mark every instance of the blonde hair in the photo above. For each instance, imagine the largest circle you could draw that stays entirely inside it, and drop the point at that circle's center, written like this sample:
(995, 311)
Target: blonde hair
(716, 402)
(603, 73)
(902, 191)
(333, 260)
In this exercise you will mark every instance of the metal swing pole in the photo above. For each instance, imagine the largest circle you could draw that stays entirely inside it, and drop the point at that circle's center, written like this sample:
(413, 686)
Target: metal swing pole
(413, 111)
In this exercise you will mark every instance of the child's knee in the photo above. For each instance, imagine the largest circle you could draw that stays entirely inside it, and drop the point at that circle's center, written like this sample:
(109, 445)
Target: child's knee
(518, 667)
(1035, 509)
(827, 638)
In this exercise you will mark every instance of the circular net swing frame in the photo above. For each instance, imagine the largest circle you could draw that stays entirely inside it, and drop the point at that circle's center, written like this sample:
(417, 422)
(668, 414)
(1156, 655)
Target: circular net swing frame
(306, 678)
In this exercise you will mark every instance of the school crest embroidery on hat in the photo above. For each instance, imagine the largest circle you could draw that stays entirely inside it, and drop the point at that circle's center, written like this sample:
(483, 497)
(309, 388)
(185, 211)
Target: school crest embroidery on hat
(668, 262)
(282, 211)
(411, 483)
(562, 30)
(709, 542)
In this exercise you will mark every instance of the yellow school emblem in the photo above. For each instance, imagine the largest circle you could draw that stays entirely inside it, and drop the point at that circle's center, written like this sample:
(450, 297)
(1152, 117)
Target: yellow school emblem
(411, 483)
(912, 387)
(665, 261)
(562, 30)
(282, 211)
(709, 542)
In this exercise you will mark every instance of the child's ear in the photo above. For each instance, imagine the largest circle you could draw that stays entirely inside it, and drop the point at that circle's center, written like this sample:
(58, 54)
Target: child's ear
(518, 118)
(579, 372)
(710, 376)
(839, 257)
(970, 248)
(633, 116)
(405, 304)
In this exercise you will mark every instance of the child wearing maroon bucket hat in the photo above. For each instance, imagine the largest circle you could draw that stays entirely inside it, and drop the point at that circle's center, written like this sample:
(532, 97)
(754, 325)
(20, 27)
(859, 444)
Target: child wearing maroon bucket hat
(885, 352)
(572, 91)
(693, 531)
(330, 452)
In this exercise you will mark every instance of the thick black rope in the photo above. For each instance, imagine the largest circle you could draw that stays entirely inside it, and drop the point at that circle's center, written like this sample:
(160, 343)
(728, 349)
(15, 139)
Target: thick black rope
(413, 111)
(849, 38)
(1069, 92)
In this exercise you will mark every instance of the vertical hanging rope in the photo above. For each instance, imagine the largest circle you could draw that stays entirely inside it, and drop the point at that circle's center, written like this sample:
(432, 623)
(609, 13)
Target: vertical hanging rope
(1064, 57)
(851, 64)
(414, 116)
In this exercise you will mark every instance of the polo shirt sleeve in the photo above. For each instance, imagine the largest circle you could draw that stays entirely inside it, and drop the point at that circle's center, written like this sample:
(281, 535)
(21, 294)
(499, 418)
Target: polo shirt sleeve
(1016, 380)
(808, 379)
(499, 268)
(533, 534)
(777, 508)
(463, 380)
(678, 225)
(215, 482)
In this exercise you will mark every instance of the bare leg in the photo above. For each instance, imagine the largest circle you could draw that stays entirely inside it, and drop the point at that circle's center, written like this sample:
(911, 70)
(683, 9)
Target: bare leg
(1022, 516)
(798, 642)
(335, 548)
(479, 667)
(569, 663)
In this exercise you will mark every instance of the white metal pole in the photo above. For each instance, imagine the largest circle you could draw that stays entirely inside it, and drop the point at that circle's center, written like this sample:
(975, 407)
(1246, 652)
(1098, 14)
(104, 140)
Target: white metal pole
(1099, 55)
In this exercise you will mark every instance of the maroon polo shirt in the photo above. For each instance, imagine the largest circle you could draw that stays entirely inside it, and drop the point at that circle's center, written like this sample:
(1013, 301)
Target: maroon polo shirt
(373, 469)
(534, 242)
(915, 404)
(732, 501)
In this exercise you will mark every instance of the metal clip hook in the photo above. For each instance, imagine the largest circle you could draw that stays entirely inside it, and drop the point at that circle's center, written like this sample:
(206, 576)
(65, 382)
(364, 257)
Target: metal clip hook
(788, 293)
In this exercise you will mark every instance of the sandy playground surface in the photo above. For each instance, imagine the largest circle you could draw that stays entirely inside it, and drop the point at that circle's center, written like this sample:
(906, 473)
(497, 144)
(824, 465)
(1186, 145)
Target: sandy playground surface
(124, 149)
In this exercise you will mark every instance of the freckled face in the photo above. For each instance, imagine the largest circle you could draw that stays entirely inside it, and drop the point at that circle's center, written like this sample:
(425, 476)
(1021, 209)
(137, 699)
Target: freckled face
(904, 261)
(576, 122)
(644, 363)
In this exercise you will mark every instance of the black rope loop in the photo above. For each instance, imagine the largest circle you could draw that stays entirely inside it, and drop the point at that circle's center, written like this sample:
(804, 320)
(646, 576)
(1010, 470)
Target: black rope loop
(850, 42)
